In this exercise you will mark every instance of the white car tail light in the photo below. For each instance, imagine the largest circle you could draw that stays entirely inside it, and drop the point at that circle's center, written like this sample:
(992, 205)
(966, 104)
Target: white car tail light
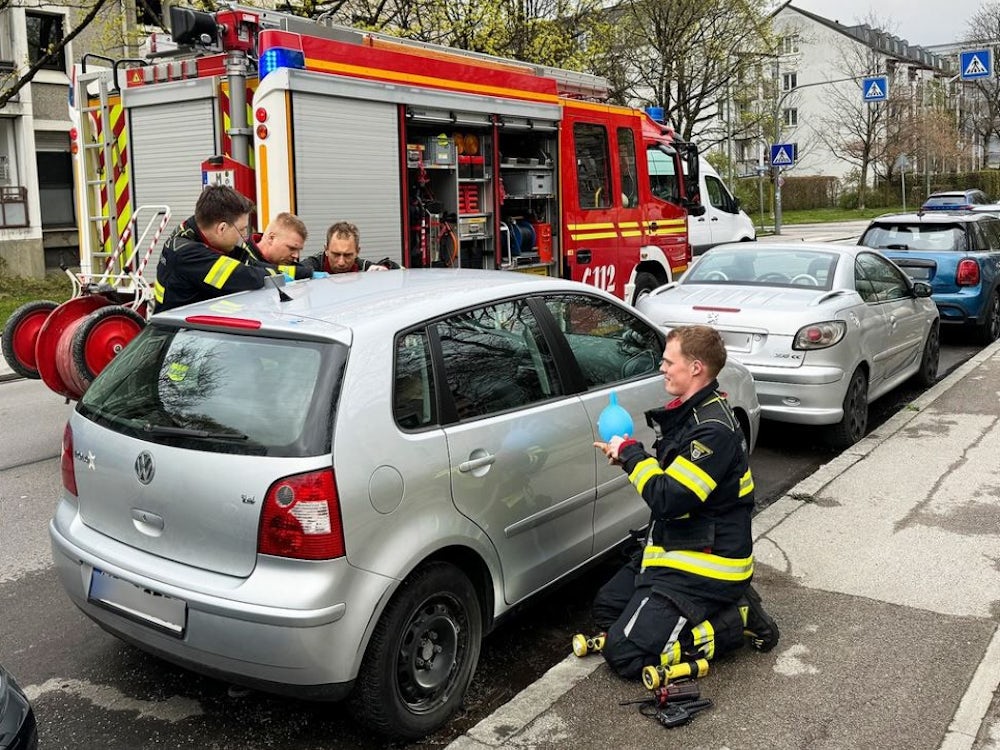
(819, 335)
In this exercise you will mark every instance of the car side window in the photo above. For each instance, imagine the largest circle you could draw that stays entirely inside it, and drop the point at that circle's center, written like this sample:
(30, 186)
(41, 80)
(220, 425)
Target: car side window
(881, 280)
(496, 359)
(609, 342)
(717, 194)
(413, 399)
(991, 228)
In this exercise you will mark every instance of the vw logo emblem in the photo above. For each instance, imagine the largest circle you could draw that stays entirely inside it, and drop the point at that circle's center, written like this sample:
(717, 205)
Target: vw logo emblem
(145, 470)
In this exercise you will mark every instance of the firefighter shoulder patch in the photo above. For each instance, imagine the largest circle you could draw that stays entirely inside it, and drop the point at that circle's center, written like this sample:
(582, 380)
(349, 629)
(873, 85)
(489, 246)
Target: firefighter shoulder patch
(699, 450)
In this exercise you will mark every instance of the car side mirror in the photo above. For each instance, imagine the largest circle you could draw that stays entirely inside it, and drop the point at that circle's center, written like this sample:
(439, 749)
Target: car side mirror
(921, 289)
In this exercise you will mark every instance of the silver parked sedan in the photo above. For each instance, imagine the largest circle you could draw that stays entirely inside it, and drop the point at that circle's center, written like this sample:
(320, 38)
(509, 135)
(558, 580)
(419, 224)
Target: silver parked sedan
(337, 490)
(824, 329)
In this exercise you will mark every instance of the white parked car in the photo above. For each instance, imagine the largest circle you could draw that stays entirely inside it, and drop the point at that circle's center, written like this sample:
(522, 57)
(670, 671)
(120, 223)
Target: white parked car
(824, 329)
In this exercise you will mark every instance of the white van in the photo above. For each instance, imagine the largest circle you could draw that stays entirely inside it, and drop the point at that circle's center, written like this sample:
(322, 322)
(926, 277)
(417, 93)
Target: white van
(723, 220)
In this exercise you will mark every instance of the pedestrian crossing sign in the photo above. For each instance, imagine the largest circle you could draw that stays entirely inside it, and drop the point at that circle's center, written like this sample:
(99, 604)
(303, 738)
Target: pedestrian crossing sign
(976, 63)
(875, 89)
(782, 154)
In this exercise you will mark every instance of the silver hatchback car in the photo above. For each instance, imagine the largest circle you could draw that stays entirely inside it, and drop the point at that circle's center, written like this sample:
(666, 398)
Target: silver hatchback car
(337, 488)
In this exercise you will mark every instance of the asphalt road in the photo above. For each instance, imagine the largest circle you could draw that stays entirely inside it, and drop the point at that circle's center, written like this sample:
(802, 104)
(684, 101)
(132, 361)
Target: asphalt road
(90, 690)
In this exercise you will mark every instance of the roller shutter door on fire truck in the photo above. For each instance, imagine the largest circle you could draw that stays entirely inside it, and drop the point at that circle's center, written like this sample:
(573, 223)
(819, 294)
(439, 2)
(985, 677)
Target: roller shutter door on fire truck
(169, 142)
(347, 169)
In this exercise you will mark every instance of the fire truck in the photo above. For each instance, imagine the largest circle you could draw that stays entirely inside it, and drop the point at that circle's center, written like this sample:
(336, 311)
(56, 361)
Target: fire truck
(441, 157)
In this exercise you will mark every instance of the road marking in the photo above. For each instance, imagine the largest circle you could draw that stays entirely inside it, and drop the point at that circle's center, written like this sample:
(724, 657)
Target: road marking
(173, 710)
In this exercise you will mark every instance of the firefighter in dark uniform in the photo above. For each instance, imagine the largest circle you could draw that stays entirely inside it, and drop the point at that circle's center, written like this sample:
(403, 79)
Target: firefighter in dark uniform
(196, 263)
(686, 594)
(279, 245)
(340, 254)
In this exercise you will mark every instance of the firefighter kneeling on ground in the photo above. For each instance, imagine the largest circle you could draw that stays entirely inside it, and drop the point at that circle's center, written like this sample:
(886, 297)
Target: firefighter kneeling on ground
(195, 264)
(686, 594)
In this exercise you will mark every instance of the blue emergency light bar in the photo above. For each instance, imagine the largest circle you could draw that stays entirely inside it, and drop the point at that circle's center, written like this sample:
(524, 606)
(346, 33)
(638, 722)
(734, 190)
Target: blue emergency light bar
(280, 57)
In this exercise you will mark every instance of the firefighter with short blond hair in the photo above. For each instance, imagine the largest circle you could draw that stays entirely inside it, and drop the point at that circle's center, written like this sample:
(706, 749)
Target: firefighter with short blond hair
(686, 594)
(196, 264)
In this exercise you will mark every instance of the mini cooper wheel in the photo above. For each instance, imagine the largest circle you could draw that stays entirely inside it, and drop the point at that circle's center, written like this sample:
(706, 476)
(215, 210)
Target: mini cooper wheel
(422, 654)
(989, 330)
(854, 424)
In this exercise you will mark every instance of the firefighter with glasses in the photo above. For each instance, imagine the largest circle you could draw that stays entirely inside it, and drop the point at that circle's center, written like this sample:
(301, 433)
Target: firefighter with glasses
(197, 264)
(686, 594)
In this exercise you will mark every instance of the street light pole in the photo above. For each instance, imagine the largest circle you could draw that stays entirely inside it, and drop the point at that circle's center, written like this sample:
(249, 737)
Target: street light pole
(777, 136)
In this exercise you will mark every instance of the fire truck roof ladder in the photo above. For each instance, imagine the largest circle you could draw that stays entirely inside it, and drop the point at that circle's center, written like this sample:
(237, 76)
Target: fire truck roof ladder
(569, 83)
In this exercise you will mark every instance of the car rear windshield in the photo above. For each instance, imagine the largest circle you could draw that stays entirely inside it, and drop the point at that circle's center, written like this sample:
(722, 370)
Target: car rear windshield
(220, 392)
(928, 237)
(759, 266)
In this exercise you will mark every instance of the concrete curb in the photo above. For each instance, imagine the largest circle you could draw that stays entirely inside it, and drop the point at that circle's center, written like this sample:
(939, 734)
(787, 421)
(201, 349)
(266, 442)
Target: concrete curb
(532, 702)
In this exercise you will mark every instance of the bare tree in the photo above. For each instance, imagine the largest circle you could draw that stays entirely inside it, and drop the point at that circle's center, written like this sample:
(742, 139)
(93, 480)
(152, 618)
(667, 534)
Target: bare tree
(18, 81)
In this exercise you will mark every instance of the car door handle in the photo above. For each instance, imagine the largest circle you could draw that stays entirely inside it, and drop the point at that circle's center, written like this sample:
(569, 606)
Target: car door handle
(477, 463)
(715, 218)
(652, 226)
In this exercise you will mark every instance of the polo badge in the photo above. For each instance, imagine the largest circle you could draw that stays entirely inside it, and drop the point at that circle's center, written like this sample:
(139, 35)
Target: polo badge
(699, 450)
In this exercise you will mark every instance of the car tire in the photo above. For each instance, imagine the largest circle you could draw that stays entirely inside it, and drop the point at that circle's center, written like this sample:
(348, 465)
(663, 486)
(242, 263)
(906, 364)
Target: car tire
(854, 424)
(926, 376)
(422, 654)
(989, 330)
(645, 282)
(20, 333)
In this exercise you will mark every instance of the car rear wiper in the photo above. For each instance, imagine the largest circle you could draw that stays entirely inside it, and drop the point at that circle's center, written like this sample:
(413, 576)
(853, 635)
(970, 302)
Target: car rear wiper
(163, 430)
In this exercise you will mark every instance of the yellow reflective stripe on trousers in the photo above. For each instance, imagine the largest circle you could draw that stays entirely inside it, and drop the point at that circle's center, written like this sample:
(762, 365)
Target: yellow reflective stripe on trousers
(699, 563)
(746, 484)
(690, 476)
(704, 638)
(158, 291)
(220, 272)
(643, 472)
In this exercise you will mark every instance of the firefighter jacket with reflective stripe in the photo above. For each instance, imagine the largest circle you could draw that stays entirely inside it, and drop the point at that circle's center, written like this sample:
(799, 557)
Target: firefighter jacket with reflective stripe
(699, 547)
(191, 270)
(250, 254)
(319, 262)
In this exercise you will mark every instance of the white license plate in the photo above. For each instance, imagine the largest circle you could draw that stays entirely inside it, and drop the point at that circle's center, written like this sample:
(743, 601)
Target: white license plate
(160, 611)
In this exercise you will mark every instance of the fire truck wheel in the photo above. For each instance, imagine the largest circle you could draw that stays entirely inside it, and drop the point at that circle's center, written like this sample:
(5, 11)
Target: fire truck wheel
(422, 655)
(645, 282)
(20, 333)
(100, 337)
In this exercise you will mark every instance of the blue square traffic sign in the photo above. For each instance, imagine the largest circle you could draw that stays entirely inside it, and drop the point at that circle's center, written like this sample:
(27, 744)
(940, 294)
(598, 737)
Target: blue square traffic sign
(875, 89)
(782, 154)
(975, 63)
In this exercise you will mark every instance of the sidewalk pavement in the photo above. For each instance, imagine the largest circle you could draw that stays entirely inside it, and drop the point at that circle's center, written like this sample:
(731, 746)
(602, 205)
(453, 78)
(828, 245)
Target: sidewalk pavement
(882, 570)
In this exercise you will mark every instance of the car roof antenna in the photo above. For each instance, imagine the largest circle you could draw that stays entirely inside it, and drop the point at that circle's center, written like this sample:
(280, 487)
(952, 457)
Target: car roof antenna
(277, 282)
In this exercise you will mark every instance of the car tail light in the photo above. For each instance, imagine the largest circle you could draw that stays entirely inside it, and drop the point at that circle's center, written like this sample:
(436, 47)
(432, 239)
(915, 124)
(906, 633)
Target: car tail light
(301, 518)
(968, 273)
(819, 335)
(66, 462)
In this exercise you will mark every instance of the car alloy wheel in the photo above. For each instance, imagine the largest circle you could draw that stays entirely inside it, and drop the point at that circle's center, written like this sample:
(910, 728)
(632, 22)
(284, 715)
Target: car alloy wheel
(854, 424)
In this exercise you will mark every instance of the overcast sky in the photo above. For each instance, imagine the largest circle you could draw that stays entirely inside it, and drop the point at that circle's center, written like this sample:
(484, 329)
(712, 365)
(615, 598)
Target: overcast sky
(923, 22)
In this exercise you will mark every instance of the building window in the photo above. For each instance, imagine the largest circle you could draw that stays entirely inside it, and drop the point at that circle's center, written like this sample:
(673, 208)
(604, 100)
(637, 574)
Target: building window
(790, 44)
(45, 33)
(789, 81)
(149, 12)
(790, 117)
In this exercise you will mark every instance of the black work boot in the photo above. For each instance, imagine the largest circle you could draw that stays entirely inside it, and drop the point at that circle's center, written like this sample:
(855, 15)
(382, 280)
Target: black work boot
(757, 623)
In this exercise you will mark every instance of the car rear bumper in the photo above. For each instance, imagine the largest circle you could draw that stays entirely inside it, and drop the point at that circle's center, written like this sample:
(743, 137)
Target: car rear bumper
(311, 651)
(809, 395)
(957, 313)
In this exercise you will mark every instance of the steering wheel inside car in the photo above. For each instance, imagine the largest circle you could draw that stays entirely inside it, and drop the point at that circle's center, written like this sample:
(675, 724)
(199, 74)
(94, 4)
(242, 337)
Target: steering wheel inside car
(804, 279)
(715, 276)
